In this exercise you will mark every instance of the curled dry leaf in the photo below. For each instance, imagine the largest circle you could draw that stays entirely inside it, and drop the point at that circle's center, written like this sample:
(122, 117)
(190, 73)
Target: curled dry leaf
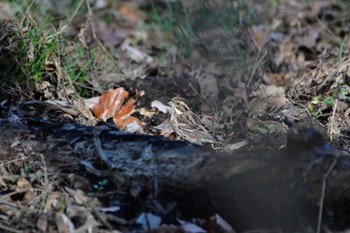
(123, 119)
(23, 185)
(130, 124)
(91, 102)
(111, 104)
(126, 109)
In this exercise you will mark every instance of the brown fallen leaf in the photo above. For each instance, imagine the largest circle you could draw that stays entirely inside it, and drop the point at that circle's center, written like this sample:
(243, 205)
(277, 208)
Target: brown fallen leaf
(277, 79)
(123, 118)
(23, 185)
(110, 35)
(134, 123)
(111, 104)
(42, 223)
(52, 201)
(63, 223)
(126, 109)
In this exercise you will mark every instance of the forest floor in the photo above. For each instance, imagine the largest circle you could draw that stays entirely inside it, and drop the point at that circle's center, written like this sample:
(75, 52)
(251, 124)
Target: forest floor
(252, 71)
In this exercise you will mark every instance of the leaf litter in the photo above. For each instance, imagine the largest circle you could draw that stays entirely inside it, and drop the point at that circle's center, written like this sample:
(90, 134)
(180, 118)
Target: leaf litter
(292, 69)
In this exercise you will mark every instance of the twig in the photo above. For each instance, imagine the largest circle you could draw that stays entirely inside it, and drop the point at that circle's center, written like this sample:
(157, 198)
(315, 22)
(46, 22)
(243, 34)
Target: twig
(89, 20)
(332, 120)
(325, 177)
(9, 229)
(46, 179)
(30, 5)
(69, 21)
(258, 61)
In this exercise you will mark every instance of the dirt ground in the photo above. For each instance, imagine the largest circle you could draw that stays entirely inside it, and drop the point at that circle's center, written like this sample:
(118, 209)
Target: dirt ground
(87, 145)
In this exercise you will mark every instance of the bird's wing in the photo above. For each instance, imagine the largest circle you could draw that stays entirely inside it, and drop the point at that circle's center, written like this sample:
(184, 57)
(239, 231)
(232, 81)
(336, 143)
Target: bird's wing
(189, 121)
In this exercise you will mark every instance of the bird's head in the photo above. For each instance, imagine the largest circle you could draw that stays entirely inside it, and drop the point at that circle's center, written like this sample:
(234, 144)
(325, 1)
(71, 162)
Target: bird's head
(178, 105)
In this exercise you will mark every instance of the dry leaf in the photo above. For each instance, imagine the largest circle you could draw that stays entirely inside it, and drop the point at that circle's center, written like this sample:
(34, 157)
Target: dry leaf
(130, 11)
(42, 223)
(259, 35)
(160, 106)
(130, 124)
(135, 54)
(24, 185)
(190, 227)
(110, 35)
(90, 223)
(276, 79)
(6, 12)
(223, 224)
(2, 182)
(91, 102)
(63, 223)
(100, 4)
(126, 110)
(82, 38)
(147, 112)
(79, 196)
(148, 220)
(52, 201)
(285, 52)
(110, 103)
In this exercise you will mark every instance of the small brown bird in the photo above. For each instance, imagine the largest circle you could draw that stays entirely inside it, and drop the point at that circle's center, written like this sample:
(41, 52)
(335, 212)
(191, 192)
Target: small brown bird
(187, 124)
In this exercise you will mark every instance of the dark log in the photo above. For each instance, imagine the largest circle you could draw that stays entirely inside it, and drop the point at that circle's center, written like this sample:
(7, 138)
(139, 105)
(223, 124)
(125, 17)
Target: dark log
(251, 190)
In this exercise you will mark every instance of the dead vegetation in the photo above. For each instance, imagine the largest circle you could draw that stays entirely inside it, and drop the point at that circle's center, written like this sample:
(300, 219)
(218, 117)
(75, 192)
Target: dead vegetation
(251, 70)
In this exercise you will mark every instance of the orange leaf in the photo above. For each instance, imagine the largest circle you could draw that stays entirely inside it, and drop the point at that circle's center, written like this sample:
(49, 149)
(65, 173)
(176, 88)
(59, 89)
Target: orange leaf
(126, 109)
(122, 123)
(110, 103)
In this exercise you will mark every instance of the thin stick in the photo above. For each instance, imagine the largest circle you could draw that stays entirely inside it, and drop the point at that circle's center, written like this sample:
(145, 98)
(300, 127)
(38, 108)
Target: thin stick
(90, 20)
(324, 182)
(9, 229)
(259, 59)
(69, 21)
(332, 119)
